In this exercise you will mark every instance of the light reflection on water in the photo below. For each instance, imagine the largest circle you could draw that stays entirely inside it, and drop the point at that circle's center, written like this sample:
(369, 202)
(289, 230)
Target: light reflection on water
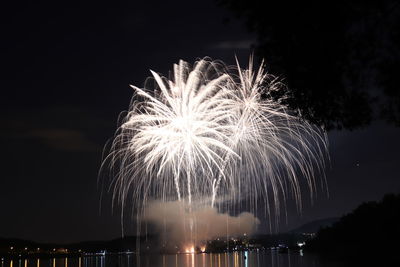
(235, 259)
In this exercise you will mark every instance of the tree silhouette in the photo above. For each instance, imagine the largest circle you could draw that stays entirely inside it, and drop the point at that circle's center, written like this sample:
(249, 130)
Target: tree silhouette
(340, 59)
(371, 225)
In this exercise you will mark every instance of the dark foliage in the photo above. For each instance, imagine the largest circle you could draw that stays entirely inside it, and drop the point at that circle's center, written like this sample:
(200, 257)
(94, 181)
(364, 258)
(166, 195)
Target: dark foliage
(340, 59)
(373, 227)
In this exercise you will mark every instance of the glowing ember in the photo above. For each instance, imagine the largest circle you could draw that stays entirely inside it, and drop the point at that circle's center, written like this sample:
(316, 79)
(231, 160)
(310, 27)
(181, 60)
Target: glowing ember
(190, 250)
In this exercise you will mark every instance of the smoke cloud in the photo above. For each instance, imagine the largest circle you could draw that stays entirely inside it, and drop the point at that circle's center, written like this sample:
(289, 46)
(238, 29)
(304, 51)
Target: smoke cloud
(183, 224)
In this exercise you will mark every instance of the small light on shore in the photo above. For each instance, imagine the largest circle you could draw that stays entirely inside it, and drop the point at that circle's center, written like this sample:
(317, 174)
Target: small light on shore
(190, 250)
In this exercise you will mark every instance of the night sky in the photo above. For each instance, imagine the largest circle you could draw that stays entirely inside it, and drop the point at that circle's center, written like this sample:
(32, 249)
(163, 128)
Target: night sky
(65, 78)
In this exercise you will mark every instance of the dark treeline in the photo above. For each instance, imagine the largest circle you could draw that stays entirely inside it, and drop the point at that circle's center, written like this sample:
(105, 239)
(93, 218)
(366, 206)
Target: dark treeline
(340, 59)
(371, 232)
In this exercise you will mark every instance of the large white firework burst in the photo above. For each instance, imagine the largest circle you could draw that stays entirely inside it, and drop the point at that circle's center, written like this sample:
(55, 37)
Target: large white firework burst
(213, 134)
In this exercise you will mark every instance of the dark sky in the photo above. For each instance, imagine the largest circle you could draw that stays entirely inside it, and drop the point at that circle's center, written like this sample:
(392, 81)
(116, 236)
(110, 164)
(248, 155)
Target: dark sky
(65, 77)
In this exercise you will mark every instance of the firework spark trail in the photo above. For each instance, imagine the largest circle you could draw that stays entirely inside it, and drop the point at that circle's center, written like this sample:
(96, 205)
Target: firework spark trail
(209, 133)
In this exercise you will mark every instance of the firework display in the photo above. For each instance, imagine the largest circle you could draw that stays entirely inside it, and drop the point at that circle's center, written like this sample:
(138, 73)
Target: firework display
(213, 134)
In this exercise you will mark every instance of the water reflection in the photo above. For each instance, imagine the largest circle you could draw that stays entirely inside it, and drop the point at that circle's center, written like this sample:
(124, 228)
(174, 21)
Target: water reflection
(236, 259)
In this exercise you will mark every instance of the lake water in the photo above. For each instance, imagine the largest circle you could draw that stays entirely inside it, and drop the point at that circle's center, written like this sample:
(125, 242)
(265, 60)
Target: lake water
(234, 259)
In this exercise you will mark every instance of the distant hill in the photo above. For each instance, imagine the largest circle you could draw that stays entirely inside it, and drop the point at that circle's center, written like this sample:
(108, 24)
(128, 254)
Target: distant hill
(294, 236)
(314, 226)
(152, 242)
(115, 245)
